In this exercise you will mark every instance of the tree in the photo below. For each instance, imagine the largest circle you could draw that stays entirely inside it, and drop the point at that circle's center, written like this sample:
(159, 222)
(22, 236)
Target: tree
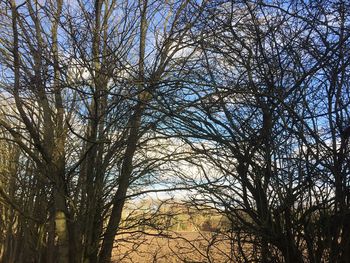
(82, 95)
(243, 104)
(260, 113)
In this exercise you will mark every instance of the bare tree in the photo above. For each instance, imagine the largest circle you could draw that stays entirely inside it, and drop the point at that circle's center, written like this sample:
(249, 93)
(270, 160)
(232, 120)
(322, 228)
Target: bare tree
(262, 111)
(82, 85)
(243, 104)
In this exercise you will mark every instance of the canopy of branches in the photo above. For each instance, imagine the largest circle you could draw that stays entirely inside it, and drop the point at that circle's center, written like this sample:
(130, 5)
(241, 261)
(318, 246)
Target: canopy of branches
(233, 116)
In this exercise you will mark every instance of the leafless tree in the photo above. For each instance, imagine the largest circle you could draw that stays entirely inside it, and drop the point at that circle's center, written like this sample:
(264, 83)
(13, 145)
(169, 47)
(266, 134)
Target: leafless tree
(243, 104)
(267, 112)
(79, 88)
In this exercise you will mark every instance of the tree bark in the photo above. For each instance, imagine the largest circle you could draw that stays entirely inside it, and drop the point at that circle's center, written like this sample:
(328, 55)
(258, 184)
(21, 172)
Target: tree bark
(119, 198)
(127, 167)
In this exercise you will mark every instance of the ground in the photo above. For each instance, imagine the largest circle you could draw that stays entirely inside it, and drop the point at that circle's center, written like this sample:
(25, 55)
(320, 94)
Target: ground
(176, 247)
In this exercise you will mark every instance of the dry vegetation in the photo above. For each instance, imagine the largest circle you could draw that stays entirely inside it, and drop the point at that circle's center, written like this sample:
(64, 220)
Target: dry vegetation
(174, 247)
(185, 234)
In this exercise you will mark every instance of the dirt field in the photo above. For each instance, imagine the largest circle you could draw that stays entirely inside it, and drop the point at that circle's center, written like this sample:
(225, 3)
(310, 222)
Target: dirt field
(178, 247)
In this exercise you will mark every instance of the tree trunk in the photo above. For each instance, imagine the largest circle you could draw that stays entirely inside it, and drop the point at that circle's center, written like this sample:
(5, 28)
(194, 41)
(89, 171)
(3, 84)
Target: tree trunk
(127, 167)
(119, 198)
(61, 227)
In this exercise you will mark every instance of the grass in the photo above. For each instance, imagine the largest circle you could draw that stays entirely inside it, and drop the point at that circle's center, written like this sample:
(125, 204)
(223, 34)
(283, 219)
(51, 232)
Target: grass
(175, 247)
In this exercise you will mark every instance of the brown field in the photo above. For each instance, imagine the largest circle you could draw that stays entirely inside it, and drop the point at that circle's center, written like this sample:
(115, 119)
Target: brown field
(175, 247)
